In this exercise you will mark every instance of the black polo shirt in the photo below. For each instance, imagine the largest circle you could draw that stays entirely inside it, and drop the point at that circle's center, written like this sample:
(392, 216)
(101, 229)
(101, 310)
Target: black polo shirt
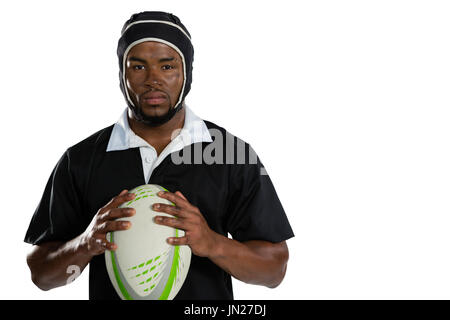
(236, 198)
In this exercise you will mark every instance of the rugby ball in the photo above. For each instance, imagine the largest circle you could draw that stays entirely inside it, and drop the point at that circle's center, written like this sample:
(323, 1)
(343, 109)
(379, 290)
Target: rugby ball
(144, 266)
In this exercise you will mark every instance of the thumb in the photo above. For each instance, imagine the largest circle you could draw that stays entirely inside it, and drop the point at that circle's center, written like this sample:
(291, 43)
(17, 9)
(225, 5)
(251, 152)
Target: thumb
(181, 195)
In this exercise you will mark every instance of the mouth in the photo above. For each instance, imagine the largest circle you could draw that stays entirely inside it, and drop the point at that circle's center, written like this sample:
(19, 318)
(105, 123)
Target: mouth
(154, 98)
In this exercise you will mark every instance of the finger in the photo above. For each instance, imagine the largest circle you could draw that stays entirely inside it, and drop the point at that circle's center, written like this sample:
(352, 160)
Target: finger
(106, 245)
(167, 208)
(177, 200)
(170, 222)
(178, 241)
(101, 244)
(123, 197)
(181, 195)
(116, 213)
(109, 226)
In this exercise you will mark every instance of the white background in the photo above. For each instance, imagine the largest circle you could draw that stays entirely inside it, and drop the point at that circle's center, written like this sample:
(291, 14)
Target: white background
(346, 102)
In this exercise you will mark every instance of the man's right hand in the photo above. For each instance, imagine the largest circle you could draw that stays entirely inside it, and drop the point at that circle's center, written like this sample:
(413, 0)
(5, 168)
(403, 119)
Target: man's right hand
(94, 238)
(49, 261)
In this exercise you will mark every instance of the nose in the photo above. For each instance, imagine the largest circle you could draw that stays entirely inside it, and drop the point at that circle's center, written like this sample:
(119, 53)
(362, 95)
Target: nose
(153, 77)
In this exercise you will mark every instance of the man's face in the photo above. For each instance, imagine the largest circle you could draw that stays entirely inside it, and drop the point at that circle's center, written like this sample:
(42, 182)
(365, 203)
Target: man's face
(154, 77)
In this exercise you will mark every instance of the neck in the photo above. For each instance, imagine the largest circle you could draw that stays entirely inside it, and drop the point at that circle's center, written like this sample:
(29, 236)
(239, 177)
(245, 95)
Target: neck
(159, 134)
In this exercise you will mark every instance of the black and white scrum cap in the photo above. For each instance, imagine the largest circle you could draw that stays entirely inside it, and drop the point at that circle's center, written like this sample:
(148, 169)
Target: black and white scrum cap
(160, 27)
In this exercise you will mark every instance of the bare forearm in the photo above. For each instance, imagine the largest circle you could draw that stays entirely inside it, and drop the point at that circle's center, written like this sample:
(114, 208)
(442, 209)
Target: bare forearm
(255, 262)
(54, 264)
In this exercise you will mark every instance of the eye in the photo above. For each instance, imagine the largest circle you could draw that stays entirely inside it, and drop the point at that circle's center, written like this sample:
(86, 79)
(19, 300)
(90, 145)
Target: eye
(138, 67)
(167, 67)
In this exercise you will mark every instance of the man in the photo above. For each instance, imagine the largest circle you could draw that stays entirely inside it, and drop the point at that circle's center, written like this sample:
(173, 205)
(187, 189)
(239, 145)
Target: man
(159, 140)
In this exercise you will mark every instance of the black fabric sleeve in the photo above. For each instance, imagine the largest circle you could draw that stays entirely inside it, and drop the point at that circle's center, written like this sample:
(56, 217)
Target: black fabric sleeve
(254, 211)
(58, 216)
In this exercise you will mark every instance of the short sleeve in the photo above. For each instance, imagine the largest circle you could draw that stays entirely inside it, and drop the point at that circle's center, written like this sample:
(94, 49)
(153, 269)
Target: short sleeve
(58, 216)
(255, 211)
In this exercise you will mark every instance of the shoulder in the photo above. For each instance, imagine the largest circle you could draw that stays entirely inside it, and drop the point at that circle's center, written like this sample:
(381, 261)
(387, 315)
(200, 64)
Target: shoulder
(95, 140)
(223, 134)
(236, 151)
(83, 150)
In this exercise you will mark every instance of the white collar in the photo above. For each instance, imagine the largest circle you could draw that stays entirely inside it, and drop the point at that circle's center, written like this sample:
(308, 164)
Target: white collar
(193, 131)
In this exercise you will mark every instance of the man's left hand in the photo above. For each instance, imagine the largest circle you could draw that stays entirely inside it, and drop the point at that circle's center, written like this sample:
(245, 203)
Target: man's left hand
(198, 236)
